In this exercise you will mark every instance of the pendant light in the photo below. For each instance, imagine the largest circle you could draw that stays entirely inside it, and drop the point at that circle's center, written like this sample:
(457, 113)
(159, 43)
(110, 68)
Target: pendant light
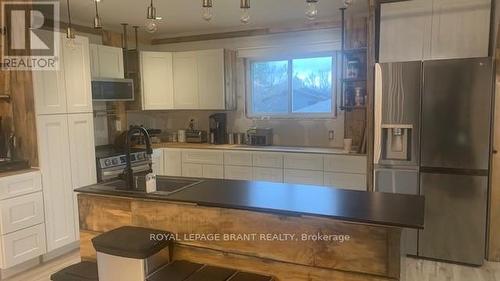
(312, 9)
(70, 33)
(207, 10)
(152, 19)
(97, 18)
(245, 11)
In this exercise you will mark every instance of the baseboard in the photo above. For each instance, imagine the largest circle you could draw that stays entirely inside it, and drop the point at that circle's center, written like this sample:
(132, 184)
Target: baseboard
(61, 251)
(27, 265)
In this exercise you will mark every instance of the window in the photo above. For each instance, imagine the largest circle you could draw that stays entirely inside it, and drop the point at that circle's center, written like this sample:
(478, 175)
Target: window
(299, 87)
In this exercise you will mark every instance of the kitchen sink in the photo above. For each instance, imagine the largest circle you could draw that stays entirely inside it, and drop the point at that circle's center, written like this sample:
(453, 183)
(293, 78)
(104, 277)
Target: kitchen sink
(164, 185)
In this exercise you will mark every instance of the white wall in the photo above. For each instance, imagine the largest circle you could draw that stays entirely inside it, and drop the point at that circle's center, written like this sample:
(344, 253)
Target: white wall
(295, 132)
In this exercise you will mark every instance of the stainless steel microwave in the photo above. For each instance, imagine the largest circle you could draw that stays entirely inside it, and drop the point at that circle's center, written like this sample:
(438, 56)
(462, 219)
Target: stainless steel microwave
(112, 90)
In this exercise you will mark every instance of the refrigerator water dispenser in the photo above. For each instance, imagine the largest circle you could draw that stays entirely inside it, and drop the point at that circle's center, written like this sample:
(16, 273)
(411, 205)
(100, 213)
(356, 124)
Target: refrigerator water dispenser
(396, 143)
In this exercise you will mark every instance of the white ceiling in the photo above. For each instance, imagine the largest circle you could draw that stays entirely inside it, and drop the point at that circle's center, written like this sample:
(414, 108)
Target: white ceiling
(183, 17)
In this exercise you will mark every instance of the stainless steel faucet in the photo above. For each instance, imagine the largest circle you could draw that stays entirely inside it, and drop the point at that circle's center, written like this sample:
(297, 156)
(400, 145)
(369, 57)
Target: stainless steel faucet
(128, 173)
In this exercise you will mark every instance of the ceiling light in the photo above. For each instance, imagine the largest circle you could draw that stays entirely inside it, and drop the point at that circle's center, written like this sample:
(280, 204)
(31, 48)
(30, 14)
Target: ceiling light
(348, 3)
(245, 11)
(312, 9)
(97, 19)
(207, 10)
(70, 33)
(151, 19)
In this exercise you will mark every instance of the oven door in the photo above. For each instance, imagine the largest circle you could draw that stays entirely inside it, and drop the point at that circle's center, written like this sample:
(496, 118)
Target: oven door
(114, 172)
(113, 90)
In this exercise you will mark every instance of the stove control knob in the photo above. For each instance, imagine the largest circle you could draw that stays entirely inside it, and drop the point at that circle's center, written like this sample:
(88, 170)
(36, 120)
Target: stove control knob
(115, 161)
(107, 162)
(140, 156)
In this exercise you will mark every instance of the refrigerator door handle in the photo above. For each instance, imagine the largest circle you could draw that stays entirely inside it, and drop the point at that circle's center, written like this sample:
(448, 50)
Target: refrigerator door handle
(454, 171)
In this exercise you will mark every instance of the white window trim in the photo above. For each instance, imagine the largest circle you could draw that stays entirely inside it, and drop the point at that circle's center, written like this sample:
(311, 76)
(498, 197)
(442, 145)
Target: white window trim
(290, 115)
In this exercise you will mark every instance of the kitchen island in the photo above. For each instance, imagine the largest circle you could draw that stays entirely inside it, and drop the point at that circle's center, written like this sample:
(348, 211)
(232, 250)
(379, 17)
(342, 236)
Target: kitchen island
(293, 232)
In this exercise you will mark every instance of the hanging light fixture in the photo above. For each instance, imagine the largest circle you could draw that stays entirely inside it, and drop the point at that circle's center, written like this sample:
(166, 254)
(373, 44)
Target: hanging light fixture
(312, 9)
(348, 3)
(97, 18)
(70, 33)
(207, 10)
(245, 11)
(152, 19)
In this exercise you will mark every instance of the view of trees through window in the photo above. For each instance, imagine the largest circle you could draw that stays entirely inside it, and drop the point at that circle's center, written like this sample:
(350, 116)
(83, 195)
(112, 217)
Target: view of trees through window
(309, 91)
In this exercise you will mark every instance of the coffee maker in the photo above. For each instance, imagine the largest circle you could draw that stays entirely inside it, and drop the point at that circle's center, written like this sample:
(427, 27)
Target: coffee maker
(218, 130)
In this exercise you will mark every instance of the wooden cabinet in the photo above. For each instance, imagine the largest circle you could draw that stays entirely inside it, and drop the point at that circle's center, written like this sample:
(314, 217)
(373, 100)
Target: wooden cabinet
(156, 80)
(186, 80)
(172, 162)
(460, 28)
(67, 90)
(55, 164)
(437, 29)
(213, 171)
(345, 164)
(106, 61)
(76, 64)
(211, 83)
(192, 170)
(267, 159)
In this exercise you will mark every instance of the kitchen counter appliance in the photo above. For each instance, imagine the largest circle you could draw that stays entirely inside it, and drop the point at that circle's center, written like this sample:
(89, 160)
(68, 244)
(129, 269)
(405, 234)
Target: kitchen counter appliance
(218, 130)
(432, 137)
(260, 136)
(112, 89)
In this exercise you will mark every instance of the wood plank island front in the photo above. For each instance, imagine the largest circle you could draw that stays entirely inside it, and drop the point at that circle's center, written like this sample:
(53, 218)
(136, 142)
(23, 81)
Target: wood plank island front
(293, 232)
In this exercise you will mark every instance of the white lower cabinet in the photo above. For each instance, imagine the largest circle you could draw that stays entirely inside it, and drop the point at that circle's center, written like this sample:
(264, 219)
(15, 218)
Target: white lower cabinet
(192, 170)
(172, 162)
(213, 171)
(303, 177)
(22, 228)
(238, 172)
(157, 162)
(345, 181)
(303, 161)
(22, 245)
(267, 174)
(55, 164)
(21, 212)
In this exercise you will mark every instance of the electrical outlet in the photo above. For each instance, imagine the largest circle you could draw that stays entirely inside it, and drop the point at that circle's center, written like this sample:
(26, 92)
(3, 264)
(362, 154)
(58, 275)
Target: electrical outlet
(331, 135)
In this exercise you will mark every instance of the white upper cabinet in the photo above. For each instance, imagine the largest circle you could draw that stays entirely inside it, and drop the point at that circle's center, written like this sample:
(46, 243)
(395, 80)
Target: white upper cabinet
(106, 61)
(67, 90)
(186, 80)
(157, 80)
(211, 84)
(76, 65)
(434, 29)
(460, 28)
(405, 29)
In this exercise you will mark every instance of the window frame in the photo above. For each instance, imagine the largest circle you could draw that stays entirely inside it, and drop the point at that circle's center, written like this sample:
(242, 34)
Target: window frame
(290, 114)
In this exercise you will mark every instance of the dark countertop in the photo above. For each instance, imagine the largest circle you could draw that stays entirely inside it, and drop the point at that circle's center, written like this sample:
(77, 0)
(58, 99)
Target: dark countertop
(294, 200)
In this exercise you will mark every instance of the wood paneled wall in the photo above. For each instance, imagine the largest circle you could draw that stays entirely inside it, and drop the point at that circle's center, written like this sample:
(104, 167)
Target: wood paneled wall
(373, 253)
(18, 115)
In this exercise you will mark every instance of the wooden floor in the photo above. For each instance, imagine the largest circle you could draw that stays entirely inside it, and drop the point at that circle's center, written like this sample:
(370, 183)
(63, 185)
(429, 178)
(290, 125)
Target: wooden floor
(417, 270)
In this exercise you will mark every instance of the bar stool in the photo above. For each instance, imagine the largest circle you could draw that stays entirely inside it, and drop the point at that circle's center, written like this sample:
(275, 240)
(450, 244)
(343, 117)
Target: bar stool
(83, 271)
(129, 254)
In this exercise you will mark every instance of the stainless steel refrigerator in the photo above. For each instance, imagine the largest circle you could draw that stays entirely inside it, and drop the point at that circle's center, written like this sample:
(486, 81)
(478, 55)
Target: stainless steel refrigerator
(451, 136)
